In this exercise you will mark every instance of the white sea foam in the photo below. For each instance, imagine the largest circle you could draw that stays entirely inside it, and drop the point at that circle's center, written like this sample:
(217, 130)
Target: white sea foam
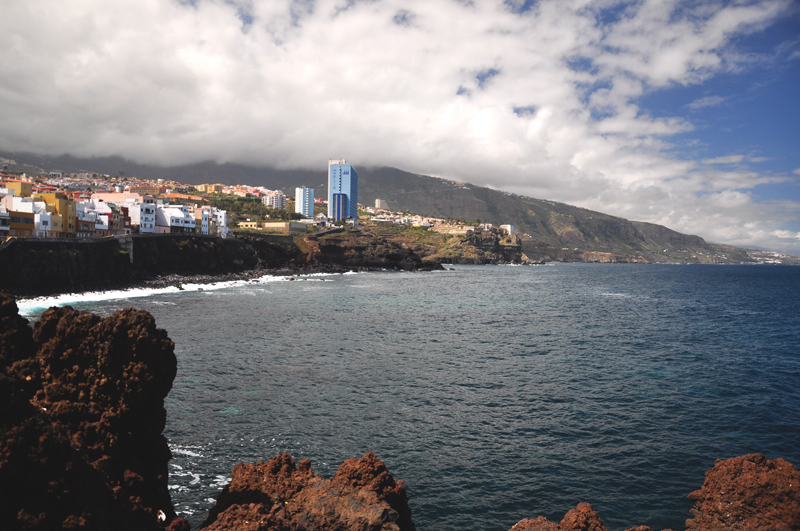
(33, 306)
(186, 450)
(29, 307)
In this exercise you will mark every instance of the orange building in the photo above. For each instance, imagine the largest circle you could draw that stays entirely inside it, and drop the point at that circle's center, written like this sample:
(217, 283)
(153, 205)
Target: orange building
(21, 224)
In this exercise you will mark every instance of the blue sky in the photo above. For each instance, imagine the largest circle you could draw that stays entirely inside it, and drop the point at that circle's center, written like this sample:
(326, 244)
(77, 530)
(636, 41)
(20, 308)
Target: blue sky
(682, 113)
(754, 111)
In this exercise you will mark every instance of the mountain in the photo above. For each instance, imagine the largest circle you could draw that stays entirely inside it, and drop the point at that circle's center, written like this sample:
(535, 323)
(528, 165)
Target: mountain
(549, 230)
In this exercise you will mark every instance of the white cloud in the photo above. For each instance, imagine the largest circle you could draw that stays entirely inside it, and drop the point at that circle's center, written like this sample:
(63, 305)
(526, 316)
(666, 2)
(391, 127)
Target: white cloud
(786, 234)
(708, 101)
(430, 87)
(731, 159)
(796, 171)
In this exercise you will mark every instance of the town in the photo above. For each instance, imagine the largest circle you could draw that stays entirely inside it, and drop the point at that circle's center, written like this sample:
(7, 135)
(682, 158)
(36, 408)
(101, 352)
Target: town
(92, 205)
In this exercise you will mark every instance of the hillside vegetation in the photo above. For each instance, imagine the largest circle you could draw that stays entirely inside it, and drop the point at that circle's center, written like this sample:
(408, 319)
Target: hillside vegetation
(549, 230)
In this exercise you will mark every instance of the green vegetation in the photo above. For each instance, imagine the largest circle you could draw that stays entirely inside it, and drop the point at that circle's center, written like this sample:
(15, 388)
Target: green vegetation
(251, 206)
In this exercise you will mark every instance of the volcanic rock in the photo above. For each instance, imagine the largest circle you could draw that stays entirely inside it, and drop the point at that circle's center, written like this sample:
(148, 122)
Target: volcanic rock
(748, 492)
(81, 416)
(279, 495)
(582, 518)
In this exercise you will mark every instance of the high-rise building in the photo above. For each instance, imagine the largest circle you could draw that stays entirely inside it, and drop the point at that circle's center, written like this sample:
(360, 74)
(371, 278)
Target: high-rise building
(274, 200)
(343, 181)
(304, 201)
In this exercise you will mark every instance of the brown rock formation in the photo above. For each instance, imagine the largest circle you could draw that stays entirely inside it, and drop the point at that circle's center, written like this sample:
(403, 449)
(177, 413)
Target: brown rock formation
(748, 492)
(354, 250)
(81, 416)
(582, 518)
(278, 495)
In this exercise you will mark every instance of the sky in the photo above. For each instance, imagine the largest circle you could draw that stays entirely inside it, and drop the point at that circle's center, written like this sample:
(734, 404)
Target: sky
(681, 113)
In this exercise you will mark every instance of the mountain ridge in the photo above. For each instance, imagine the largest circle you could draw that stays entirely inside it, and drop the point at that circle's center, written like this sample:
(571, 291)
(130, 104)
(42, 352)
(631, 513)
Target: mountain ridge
(549, 230)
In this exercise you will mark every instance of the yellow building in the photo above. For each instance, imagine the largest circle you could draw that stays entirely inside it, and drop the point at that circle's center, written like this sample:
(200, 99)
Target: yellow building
(209, 188)
(146, 190)
(21, 224)
(275, 226)
(21, 188)
(58, 203)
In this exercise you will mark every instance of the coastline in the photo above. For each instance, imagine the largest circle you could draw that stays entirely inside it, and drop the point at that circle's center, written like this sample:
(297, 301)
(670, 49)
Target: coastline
(172, 283)
(48, 268)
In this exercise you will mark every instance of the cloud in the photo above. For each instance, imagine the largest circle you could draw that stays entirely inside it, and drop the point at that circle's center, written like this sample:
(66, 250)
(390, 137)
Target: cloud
(731, 159)
(786, 234)
(535, 98)
(796, 171)
(708, 101)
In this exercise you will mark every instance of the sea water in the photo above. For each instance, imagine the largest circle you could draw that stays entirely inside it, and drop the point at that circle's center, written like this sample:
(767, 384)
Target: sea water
(495, 393)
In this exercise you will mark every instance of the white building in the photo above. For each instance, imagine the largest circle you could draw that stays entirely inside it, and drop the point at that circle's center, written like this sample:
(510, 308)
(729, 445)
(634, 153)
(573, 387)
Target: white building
(304, 201)
(213, 221)
(275, 200)
(5, 222)
(147, 215)
(42, 224)
(381, 204)
(508, 228)
(173, 219)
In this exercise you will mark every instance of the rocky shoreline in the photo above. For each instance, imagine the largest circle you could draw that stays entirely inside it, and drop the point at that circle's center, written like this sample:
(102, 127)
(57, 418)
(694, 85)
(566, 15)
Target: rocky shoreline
(82, 447)
(34, 268)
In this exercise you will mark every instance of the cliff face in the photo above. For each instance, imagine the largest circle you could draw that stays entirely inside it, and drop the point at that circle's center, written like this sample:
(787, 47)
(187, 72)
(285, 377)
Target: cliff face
(352, 250)
(81, 417)
(191, 255)
(34, 267)
(481, 247)
(42, 267)
(280, 495)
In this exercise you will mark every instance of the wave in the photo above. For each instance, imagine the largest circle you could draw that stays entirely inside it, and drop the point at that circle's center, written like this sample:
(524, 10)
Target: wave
(35, 306)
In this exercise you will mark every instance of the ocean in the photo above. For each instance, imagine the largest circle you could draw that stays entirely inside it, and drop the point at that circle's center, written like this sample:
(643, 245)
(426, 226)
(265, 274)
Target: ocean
(495, 393)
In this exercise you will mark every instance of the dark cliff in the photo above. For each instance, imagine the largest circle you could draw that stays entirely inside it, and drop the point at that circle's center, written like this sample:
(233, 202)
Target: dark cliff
(357, 250)
(33, 267)
(40, 267)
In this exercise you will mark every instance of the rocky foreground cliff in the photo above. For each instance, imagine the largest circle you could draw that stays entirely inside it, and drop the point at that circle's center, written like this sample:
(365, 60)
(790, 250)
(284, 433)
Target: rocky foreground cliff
(81, 447)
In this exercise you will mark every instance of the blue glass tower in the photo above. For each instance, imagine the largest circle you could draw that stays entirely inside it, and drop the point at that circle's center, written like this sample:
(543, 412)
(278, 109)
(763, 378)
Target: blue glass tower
(342, 181)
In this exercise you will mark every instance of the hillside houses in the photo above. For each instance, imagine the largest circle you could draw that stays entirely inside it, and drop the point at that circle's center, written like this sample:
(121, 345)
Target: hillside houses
(31, 210)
